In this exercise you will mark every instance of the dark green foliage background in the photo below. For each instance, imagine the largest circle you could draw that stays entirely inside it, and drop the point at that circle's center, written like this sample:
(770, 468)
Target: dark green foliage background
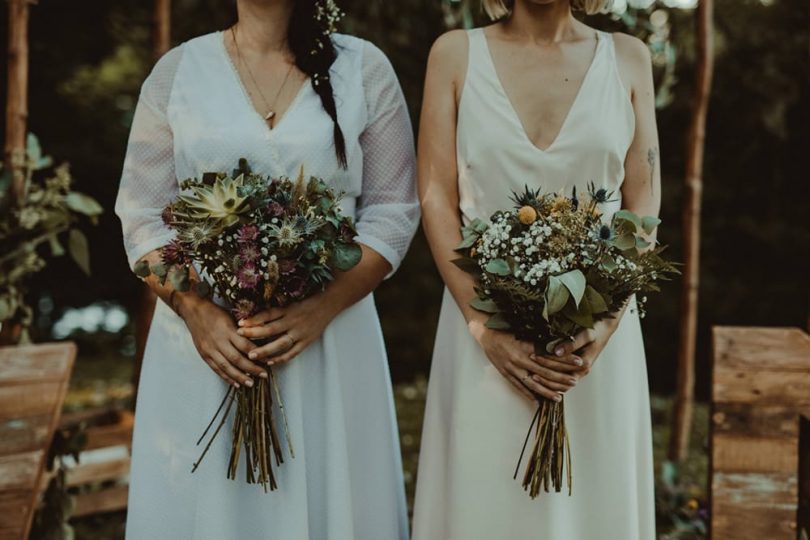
(88, 59)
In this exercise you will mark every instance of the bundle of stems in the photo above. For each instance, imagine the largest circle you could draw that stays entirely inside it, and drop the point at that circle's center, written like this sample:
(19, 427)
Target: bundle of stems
(550, 458)
(254, 429)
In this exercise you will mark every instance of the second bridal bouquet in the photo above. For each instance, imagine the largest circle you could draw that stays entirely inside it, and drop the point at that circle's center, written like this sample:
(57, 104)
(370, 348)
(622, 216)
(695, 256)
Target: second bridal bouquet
(258, 243)
(547, 269)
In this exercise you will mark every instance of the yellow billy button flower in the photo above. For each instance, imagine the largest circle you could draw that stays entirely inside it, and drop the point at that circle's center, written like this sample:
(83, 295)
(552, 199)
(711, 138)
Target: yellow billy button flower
(527, 215)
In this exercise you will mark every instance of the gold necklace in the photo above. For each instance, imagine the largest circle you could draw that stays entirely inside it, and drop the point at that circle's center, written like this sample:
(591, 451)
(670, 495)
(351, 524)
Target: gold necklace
(270, 115)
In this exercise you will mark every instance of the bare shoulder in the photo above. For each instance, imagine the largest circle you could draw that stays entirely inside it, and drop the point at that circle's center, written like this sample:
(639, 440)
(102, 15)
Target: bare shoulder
(450, 49)
(631, 51)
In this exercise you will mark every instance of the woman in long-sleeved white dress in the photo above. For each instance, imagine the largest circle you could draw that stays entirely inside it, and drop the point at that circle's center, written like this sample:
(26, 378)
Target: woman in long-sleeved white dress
(266, 91)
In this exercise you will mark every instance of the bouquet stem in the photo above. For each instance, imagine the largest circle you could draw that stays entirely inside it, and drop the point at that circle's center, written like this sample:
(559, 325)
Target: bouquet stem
(550, 457)
(254, 429)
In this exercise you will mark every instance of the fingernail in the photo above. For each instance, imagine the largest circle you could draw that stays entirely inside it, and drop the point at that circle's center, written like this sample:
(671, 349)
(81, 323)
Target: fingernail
(533, 356)
(560, 351)
(241, 323)
(236, 385)
(578, 361)
(240, 331)
(558, 397)
(263, 374)
(249, 383)
(572, 381)
(271, 362)
(252, 355)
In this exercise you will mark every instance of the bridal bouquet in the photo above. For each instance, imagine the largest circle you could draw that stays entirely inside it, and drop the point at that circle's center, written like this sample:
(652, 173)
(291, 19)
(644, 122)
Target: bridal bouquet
(546, 270)
(258, 242)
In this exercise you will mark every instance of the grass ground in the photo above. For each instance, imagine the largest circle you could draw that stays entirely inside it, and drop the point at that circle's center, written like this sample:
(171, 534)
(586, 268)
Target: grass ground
(97, 382)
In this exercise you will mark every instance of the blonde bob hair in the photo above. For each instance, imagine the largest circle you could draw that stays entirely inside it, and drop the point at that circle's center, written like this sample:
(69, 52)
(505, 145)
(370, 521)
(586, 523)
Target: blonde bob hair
(497, 9)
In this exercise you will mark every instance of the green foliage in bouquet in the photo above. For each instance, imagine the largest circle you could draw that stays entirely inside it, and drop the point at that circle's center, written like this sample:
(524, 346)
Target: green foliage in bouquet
(547, 269)
(36, 225)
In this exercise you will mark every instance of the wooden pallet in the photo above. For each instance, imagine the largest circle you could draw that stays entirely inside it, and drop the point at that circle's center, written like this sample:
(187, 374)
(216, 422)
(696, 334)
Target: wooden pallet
(760, 390)
(33, 384)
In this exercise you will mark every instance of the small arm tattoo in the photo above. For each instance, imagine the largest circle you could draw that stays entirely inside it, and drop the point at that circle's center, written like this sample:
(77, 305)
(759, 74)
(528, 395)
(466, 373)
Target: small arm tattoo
(652, 156)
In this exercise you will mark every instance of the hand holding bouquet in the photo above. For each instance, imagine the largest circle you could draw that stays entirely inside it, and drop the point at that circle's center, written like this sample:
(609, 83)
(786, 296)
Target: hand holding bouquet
(548, 269)
(258, 243)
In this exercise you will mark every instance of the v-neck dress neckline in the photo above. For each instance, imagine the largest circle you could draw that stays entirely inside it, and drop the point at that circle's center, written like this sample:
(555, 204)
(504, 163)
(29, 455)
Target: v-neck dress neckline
(490, 61)
(246, 99)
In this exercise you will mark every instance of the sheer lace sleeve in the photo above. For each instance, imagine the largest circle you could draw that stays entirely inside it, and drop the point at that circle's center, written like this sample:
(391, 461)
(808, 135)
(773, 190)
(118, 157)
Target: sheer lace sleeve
(388, 209)
(148, 182)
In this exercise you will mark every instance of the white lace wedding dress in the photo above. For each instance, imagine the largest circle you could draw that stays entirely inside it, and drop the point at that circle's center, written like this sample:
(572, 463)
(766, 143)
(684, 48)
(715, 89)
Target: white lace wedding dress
(345, 482)
(476, 422)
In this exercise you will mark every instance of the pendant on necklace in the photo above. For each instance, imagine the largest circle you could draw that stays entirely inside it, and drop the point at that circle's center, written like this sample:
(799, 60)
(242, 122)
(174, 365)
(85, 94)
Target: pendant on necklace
(270, 115)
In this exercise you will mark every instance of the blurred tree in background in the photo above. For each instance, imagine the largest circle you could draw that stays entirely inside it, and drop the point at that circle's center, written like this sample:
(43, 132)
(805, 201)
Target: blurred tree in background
(89, 59)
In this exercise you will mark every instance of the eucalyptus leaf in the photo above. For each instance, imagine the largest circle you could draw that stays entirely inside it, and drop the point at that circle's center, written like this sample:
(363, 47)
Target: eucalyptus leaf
(83, 204)
(160, 270)
(575, 282)
(141, 269)
(56, 246)
(625, 241)
(609, 263)
(649, 223)
(467, 264)
(595, 300)
(179, 279)
(556, 297)
(627, 215)
(582, 316)
(499, 267)
(484, 304)
(79, 250)
(468, 242)
(498, 322)
(346, 256)
(642, 243)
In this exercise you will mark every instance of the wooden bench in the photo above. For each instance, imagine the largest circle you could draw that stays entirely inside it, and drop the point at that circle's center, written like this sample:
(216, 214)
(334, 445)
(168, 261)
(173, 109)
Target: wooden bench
(33, 384)
(760, 391)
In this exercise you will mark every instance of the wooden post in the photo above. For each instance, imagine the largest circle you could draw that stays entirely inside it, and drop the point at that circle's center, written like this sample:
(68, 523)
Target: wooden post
(17, 93)
(161, 42)
(161, 37)
(682, 417)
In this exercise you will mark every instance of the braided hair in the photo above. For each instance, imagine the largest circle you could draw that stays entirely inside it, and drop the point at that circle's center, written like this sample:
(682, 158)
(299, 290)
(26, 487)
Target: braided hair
(308, 37)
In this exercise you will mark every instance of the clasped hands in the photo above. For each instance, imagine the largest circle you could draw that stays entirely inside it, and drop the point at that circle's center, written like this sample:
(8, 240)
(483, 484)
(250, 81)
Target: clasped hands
(551, 375)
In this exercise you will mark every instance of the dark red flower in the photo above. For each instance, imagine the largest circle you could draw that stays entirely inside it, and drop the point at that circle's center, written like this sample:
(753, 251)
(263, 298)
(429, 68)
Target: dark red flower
(247, 234)
(247, 276)
(287, 266)
(274, 209)
(174, 253)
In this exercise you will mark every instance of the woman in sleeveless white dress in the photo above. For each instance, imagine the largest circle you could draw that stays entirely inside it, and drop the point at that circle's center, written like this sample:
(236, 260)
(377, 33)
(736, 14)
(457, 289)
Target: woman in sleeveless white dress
(195, 115)
(474, 149)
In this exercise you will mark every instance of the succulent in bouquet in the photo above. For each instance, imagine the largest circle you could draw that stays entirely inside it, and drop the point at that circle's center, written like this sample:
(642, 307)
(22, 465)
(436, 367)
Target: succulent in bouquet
(257, 243)
(547, 269)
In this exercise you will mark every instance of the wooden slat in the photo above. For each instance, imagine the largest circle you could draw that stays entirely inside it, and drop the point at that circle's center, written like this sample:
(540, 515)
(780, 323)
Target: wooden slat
(107, 500)
(19, 471)
(98, 472)
(36, 363)
(14, 508)
(762, 386)
(735, 453)
(29, 399)
(755, 506)
(778, 421)
(755, 348)
(116, 434)
(24, 434)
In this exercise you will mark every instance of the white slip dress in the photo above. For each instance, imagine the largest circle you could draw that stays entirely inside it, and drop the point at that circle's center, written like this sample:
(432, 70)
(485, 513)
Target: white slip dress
(345, 482)
(476, 422)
